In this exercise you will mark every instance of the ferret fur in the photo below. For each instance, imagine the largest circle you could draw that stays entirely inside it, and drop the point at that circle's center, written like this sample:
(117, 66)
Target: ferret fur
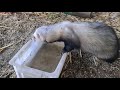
(96, 38)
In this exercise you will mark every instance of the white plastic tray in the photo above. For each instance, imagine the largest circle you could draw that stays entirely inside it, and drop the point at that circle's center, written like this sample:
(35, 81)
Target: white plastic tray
(26, 54)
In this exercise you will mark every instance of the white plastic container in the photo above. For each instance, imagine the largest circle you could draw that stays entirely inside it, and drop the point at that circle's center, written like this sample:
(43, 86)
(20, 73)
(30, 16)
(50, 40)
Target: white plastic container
(23, 60)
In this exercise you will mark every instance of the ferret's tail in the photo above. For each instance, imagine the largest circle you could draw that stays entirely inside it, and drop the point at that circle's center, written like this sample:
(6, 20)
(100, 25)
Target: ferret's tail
(111, 60)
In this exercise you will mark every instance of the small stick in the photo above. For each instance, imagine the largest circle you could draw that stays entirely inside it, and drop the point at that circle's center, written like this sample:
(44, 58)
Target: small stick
(94, 59)
(1, 49)
(5, 27)
(62, 74)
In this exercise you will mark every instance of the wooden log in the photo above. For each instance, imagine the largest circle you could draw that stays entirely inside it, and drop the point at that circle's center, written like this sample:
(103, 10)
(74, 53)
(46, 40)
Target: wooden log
(81, 14)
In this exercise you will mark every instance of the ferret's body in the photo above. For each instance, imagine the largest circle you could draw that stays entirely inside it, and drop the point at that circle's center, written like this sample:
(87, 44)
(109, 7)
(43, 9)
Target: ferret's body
(96, 38)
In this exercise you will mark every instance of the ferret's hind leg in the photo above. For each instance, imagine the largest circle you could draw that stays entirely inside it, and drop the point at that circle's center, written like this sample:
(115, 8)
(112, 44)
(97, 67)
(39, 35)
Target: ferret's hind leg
(95, 60)
(70, 59)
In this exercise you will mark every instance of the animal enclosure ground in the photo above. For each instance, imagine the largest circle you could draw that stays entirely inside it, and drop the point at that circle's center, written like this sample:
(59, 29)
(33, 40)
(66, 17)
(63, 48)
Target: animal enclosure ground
(18, 27)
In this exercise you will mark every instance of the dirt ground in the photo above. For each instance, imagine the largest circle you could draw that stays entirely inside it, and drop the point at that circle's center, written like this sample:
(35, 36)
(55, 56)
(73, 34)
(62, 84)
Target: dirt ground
(18, 27)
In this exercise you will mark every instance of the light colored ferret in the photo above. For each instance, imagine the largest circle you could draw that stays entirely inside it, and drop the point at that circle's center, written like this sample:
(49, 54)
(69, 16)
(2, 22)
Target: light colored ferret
(93, 37)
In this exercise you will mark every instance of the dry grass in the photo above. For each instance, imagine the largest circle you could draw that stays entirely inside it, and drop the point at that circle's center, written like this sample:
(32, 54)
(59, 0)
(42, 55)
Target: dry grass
(21, 25)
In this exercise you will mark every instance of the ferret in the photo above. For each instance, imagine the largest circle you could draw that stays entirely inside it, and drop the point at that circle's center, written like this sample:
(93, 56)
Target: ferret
(96, 38)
